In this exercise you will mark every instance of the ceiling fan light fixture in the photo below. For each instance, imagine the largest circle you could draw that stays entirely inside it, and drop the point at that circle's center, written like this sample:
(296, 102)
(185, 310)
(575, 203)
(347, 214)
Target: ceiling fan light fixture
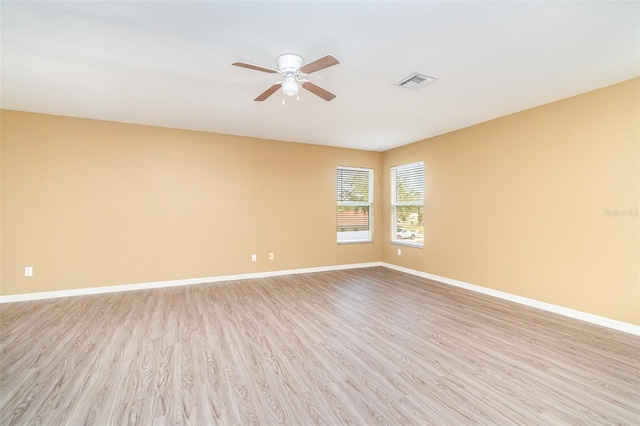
(290, 86)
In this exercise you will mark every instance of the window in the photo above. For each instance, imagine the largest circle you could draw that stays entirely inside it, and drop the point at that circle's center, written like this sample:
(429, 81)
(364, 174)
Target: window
(354, 192)
(407, 204)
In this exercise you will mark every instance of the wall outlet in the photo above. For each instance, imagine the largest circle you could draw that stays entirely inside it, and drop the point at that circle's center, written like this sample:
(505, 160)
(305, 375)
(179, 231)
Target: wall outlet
(271, 256)
(28, 271)
(399, 252)
(254, 257)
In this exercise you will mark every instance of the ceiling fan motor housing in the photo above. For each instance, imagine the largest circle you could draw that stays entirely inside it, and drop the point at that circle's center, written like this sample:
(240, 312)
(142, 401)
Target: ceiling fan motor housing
(289, 63)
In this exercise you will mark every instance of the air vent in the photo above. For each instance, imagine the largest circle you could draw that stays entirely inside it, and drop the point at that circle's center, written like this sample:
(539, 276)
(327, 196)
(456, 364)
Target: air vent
(416, 81)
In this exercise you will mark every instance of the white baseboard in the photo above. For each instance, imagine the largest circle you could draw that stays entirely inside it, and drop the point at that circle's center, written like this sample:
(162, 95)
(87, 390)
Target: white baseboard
(583, 316)
(572, 313)
(175, 283)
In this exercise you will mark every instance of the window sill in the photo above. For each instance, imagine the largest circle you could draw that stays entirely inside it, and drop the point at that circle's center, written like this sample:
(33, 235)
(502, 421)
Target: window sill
(408, 244)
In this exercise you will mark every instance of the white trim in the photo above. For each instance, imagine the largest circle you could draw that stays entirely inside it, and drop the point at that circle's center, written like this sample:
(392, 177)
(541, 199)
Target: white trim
(175, 283)
(572, 313)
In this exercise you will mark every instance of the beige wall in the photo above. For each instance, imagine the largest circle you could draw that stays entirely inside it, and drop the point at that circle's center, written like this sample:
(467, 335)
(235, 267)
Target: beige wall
(518, 204)
(92, 203)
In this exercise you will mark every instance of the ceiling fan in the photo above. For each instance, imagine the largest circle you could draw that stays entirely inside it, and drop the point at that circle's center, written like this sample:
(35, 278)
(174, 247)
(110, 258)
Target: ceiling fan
(291, 67)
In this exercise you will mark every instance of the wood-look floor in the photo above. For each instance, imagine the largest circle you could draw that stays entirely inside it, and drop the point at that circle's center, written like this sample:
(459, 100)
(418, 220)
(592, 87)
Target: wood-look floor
(365, 346)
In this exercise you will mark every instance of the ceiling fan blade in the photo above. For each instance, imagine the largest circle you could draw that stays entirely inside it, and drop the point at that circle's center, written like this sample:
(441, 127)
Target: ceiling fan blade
(317, 90)
(270, 91)
(254, 67)
(319, 64)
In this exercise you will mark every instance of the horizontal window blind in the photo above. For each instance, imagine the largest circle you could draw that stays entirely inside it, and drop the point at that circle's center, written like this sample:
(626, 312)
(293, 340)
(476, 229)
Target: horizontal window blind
(408, 182)
(354, 185)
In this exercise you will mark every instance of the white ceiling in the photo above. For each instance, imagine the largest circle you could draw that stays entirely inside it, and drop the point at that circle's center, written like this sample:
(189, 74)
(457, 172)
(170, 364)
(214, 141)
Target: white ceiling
(169, 63)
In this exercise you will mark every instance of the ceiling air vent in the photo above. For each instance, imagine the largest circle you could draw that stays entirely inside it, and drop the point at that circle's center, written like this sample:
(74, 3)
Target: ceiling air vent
(416, 81)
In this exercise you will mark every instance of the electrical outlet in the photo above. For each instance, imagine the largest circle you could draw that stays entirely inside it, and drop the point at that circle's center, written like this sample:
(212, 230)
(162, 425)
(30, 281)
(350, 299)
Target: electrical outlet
(254, 257)
(271, 256)
(399, 252)
(28, 271)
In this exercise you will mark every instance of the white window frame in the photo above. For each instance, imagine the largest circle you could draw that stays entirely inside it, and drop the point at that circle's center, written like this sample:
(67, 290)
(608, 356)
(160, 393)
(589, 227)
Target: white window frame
(395, 171)
(356, 236)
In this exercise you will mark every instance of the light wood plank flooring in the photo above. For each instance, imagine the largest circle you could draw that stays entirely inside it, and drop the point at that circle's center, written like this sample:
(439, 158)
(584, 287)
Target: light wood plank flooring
(365, 346)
